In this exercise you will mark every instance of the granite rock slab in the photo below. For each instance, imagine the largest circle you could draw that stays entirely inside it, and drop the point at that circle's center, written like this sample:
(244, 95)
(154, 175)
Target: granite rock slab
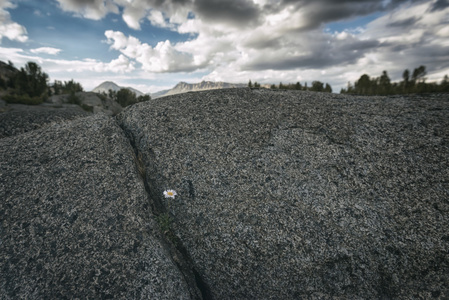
(75, 221)
(23, 118)
(301, 195)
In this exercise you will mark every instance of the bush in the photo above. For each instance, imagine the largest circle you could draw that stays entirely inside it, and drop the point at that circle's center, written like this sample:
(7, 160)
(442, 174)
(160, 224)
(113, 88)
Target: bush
(74, 99)
(23, 99)
(125, 97)
(102, 96)
(87, 107)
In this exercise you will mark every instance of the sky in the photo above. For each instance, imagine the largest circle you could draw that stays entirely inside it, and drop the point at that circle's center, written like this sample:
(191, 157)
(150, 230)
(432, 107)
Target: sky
(152, 45)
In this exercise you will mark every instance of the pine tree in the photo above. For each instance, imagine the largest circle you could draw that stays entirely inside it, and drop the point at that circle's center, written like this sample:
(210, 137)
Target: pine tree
(31, 80)
(385, 84)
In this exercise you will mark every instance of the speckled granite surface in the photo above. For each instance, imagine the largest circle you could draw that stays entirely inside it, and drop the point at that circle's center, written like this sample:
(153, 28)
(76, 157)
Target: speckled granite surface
(75, 222)
(23, 118)
(297, 195)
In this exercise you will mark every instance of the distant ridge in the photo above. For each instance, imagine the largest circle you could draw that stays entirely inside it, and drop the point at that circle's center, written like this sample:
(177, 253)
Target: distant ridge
(184, 87)
(181, 87)
(109, 85)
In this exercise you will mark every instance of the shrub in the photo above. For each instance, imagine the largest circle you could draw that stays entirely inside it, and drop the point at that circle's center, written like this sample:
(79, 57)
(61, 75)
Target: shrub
(102, 96)
(74, 99)
(23, 99)
(87, 107)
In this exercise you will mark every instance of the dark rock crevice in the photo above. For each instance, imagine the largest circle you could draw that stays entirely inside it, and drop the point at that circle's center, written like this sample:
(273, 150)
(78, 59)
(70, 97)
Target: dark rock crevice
(197, 287)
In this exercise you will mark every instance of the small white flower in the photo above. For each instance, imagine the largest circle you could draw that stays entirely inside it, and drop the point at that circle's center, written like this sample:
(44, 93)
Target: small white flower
(170, 194)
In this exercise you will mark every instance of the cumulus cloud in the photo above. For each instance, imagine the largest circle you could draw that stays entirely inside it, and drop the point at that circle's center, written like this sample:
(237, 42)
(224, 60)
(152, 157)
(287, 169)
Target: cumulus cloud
(46, 50)
(8, 28)
(120, 65)
(164, 57)
(310, 14)
(286, 39)
(288, 46)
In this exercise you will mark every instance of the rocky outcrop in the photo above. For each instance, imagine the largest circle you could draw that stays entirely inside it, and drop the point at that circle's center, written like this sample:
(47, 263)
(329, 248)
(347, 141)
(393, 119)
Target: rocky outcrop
(299, 195)
(184, 87)
(281, 195)
(89, 101)
(19, 118)
(75, 218)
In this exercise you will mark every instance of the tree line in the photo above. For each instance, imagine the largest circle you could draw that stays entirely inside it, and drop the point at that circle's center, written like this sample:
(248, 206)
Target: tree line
(414, 82)
(317, 86)
(30, 85)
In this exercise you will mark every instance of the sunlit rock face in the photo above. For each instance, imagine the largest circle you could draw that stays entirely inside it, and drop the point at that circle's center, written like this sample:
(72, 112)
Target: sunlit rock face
(184, 87)
(291, 195)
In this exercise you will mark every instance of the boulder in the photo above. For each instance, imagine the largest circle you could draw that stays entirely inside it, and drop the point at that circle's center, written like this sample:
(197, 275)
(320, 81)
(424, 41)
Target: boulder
(301, 195)
(75, 220)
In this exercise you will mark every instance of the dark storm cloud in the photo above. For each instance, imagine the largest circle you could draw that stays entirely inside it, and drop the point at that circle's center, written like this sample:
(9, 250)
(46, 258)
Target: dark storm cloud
(232, 12)
(440, 5)
(263, 43)
(236, 11)
(319, 12)
(306, 62)
(404, 23)
(338, 54)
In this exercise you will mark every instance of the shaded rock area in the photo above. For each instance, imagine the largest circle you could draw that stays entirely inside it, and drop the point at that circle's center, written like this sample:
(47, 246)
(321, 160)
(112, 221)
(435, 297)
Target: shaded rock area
(20, 118)
(89, 101)
(75, 221)
(300, 195)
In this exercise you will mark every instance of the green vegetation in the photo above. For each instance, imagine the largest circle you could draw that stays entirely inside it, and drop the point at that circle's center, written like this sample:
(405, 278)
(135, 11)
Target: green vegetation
(165, 223)
(31, 80)
(317, 86)
(383, 86)
(102, 96)
(68, 87)
(74, 99)
(126, 97)
(22, 99)
(87, 107)
(27, 86)
(3, 84)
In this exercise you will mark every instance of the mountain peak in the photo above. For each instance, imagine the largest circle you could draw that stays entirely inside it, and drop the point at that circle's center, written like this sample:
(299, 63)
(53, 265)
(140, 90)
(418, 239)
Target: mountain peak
(109, 85)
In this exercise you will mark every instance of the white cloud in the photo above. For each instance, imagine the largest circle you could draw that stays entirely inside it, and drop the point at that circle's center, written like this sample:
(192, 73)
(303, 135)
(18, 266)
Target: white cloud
(164, 57)
(95, 9)
(8, 28)
(132, 16)
(158, 19)
(46, 50)
(280, 41)
(283, 47)
(120, 65)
